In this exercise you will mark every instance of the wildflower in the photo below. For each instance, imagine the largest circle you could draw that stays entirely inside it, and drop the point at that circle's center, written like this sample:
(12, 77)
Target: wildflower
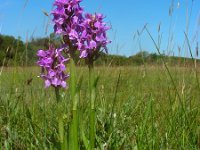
(93, 37)
(84, 33)
(53, 67)
(67, 18)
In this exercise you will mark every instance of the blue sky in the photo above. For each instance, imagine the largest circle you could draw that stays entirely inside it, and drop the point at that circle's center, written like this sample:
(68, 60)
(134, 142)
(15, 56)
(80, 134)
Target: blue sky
(25, 18)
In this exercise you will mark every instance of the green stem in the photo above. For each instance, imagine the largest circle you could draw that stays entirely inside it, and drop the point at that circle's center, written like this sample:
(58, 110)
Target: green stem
(57, 93)
(63, 141)
(75, 130)
(75, 122)
(92, 129)
(92, 107)
(75, 98)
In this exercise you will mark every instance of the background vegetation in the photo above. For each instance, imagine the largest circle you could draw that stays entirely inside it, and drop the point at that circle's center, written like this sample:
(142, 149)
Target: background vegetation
(16, 52)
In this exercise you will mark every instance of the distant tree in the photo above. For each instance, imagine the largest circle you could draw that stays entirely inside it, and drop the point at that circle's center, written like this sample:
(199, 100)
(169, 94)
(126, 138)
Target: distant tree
(15, 51)
(153, 57)
(139, 58)
(11, 49)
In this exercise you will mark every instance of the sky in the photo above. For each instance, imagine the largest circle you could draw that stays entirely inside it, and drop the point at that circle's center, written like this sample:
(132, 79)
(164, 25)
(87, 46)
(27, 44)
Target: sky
(26, 18)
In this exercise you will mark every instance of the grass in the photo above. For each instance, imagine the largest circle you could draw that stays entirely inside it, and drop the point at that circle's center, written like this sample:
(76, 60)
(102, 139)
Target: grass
(137, 108)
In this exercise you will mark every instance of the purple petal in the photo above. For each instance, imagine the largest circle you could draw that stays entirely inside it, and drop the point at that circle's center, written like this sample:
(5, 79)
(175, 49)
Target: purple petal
(55, 82)
(41, 53)
(93, 44)
(84, 54)
(51, 73)
(47, 83)
(63, 84)
(62, 67)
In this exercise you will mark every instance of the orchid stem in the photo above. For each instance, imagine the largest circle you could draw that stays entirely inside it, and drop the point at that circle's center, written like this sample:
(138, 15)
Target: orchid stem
(92, 107)
(57, 93)
(75, 98)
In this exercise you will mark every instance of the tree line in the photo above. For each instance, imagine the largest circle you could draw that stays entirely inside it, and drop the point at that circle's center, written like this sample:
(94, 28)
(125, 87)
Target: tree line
(13, 51)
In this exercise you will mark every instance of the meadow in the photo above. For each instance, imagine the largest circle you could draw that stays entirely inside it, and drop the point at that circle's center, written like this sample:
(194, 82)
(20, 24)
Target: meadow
(147, 101)
(136, 108)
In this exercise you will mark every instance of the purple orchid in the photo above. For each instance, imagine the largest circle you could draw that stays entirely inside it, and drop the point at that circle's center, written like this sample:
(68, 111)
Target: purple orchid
(93, 37)
(53, 67)
(67, 18)
(84, 33)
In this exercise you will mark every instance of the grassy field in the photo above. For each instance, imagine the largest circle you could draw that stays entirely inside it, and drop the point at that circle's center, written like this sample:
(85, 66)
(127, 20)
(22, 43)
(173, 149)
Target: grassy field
(136, 107)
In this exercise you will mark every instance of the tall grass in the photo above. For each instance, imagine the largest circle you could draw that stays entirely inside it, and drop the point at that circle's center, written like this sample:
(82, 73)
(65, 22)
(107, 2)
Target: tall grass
(146, 116)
